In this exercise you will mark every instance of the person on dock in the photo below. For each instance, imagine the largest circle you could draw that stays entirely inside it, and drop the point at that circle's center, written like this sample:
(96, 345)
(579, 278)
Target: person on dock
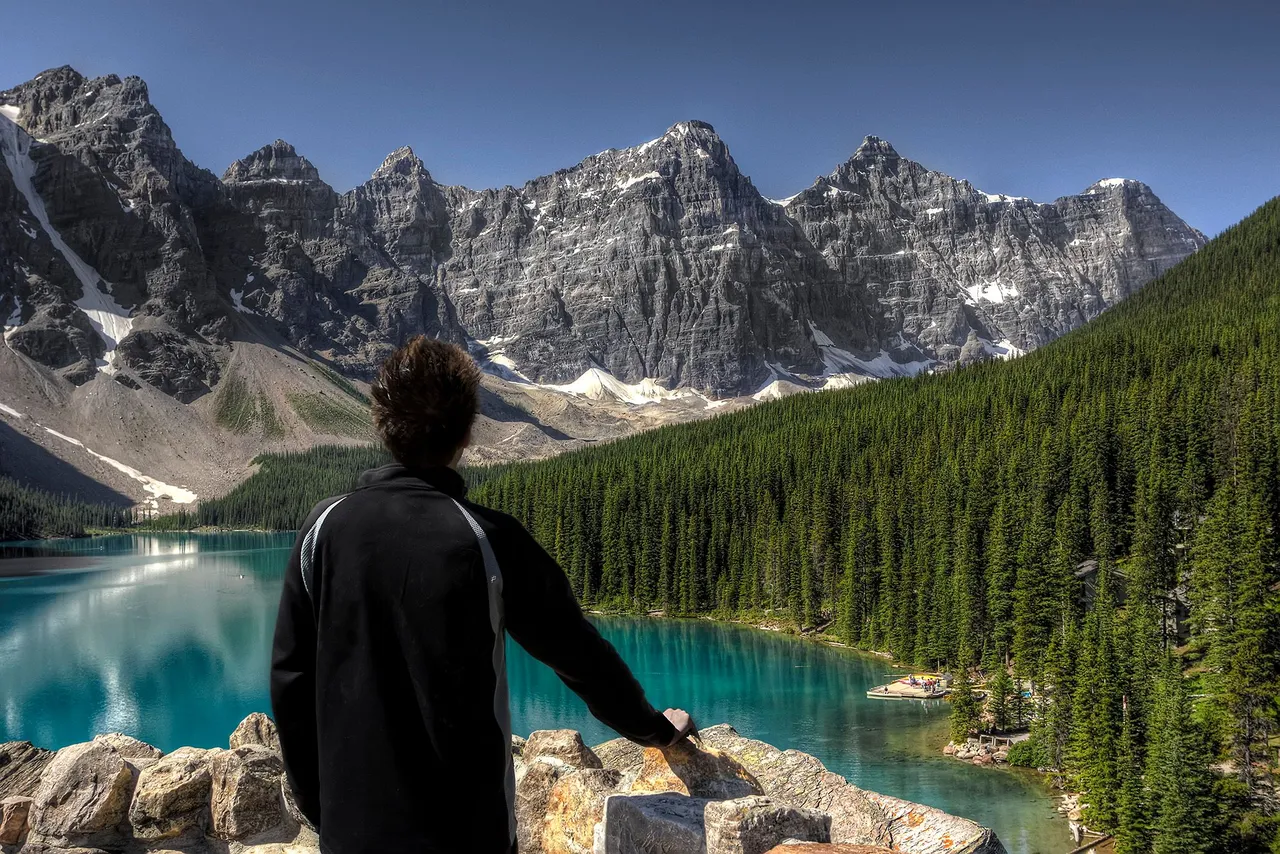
(388, 672)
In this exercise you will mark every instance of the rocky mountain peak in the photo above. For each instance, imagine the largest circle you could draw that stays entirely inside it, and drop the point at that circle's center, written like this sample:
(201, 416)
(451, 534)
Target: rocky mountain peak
(278, 161)
(402, 161)
(1112, 184)
(874, 148)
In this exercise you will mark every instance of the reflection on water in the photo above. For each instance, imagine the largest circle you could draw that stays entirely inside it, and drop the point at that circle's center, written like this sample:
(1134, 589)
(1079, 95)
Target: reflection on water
(168, 637)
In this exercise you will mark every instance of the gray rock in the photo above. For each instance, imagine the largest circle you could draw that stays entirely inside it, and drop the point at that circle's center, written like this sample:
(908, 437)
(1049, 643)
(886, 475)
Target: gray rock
(83, 797)
(245, 797)
(756, 824)
(652, 824)
(563, 744)
(857, 816)
(621, 754)
(259, 729)
(137, 753)
(172, 796)
(659, 261)
(21, 764)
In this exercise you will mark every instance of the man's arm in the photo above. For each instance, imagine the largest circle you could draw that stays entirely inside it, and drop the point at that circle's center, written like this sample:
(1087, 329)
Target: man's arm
(293, 685)
(544, 618)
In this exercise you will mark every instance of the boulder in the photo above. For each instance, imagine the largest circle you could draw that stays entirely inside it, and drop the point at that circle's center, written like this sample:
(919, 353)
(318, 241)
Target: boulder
(574, 808)
(517, 745)
(245, 796)
(563, 744)
(823, 848)
(918, 829)
(621, 754)
(755, 824)
(15, 815)
(291, 807)
(688, 770)
(21, 764)
(533, 792)
(256, 729)
(83, 797)
(172, 796)
(137, 753)
(46, 848)
(652, 824)
(800, 780)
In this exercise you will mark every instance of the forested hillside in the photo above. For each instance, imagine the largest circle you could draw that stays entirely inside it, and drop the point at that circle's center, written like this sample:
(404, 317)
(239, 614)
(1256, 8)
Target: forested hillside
(967, 518)
(27, 514)
(1097, 519)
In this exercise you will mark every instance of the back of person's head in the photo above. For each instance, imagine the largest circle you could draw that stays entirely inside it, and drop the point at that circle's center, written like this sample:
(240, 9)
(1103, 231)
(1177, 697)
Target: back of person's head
(424, 400)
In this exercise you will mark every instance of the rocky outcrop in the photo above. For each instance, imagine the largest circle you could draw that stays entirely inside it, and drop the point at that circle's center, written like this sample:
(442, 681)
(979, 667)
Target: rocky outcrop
(689, 770)
(172, 796)
(118, 794)
(83, 798)
(256, 729)
(857, 816)
(730, 796)
(21, 765)
(659, 265)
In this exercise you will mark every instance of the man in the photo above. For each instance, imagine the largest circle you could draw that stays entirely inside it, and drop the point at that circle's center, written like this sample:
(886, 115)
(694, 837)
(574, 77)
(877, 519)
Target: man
(388, 674)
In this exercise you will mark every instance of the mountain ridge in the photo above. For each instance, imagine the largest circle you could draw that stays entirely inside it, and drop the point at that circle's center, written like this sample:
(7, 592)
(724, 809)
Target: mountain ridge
(656, 272)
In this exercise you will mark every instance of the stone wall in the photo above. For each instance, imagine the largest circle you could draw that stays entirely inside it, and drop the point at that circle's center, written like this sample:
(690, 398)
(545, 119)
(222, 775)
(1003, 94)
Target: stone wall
(725, 795)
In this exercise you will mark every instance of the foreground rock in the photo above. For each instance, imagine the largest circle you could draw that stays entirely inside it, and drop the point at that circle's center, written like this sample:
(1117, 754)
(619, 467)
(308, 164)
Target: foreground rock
(729, 795)
(857, 816)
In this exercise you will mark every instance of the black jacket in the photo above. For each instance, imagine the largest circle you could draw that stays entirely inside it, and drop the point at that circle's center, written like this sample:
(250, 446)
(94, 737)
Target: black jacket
(388, 679)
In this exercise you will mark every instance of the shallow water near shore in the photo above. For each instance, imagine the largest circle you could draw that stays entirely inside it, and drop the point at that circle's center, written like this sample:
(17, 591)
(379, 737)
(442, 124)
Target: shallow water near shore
(167, 637)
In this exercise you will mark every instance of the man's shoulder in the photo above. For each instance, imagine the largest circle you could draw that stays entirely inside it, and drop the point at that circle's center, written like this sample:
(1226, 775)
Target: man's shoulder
(493, 519)
(320, 509)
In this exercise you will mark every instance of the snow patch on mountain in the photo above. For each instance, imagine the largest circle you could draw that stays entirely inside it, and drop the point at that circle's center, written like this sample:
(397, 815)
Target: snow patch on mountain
(109, 319)
(157, 489)
(840, 362)
(624, 183)
(992, 292)
(596, 384)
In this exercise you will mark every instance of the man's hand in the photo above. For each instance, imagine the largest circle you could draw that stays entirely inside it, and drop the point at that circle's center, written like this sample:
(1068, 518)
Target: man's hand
(682, 722)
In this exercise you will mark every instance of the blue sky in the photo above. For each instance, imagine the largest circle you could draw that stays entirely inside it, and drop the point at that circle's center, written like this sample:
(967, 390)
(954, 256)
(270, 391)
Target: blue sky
(1027, 98)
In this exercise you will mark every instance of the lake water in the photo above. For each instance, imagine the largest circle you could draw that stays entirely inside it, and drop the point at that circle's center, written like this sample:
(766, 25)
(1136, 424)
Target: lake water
(167, 638)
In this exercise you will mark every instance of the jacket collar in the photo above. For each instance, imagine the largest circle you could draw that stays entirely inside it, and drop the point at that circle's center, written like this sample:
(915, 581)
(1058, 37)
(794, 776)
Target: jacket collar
(442, 478)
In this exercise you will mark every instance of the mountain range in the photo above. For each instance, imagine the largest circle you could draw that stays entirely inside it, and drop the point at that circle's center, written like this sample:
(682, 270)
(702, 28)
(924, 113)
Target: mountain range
(159, 318)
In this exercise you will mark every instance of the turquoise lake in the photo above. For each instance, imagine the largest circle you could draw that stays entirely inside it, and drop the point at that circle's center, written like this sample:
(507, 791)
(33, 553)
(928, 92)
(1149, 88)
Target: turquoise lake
(167, 638)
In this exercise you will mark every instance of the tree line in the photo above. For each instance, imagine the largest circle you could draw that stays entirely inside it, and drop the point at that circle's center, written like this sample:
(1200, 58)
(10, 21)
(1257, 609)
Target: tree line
(27, 513)
(1097, 520)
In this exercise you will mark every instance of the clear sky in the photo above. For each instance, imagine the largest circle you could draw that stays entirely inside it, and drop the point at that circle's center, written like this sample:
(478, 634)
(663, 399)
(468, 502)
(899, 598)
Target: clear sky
(1034, 98)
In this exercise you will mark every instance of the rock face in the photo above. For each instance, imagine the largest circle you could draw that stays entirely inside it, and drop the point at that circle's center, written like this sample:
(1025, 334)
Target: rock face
(21, 765)
(256, 729)
(92, 797)
(15, 820)
(688, 770)
(660, 262)
(172, 796)
(754, 825)
(574, 808)
(83, 798)
(245, 797)
(857, 816)
(564, 745)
